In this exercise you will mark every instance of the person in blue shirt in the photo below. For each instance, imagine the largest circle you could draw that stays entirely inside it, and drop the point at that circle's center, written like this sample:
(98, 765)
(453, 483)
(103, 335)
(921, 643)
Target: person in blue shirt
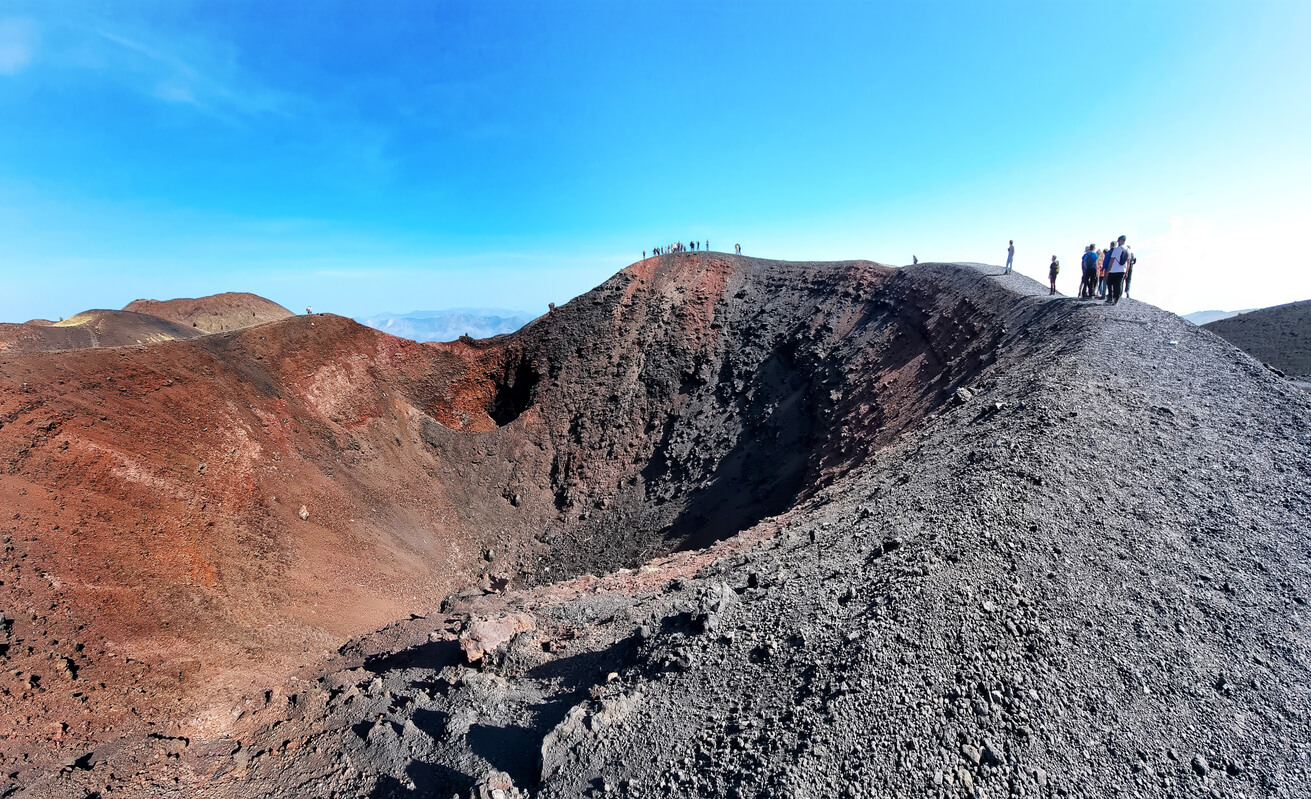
(1088, 287)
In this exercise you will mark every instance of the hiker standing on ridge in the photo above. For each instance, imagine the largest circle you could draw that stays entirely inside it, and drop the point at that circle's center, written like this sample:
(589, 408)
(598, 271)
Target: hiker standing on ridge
(1116, 262)
(1052, 272)
(1088, 277)
(1102, 264)
(1010, 256)
(914, 259)
(1128, 272)
(737, 248)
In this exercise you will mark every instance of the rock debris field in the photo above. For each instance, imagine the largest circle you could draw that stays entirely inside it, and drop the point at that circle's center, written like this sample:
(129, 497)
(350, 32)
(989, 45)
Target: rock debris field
(785, 530)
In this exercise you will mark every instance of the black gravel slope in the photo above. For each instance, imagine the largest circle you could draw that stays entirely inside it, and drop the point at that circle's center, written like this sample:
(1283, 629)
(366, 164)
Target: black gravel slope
(1279, 336)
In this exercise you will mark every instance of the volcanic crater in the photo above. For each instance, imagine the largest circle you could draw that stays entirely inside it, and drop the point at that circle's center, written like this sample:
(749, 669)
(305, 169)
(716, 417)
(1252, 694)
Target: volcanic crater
(715, 494)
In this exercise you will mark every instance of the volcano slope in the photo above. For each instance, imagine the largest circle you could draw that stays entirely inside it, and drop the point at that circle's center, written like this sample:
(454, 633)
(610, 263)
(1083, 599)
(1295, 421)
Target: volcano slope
(1084, 575)
(1279, 336)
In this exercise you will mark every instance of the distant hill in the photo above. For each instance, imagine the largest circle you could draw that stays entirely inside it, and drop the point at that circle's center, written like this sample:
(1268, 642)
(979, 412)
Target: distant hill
(217, 312)
(142, 322)
(1200, 318)
(1279, 336)
(97, 328)
(449, 324)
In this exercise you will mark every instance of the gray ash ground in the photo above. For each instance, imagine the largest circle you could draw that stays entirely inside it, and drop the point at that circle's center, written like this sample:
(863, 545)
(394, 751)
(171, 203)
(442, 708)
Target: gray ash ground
(1087, 574)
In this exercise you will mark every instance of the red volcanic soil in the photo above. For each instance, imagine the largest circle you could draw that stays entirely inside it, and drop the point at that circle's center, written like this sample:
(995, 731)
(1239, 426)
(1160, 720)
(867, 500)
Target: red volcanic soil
(151, 499)
(91, 329)
(156, 566)
(215, 313)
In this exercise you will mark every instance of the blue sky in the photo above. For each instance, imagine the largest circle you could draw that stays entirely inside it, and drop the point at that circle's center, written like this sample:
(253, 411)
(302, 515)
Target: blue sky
(363, 157)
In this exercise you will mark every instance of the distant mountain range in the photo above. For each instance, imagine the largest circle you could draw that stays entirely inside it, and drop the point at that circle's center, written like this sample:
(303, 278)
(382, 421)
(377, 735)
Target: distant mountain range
(449, 324)
(1200, 318)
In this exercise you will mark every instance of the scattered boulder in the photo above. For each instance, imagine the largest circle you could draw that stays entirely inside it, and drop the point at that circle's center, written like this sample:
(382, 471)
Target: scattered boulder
(482, 636)
(714, 603)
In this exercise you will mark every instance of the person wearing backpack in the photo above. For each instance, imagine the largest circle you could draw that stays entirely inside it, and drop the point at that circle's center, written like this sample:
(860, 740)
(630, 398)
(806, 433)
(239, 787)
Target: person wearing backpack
(1104, 264)
(1117, 261)
(1052, 272)
(1088, 285)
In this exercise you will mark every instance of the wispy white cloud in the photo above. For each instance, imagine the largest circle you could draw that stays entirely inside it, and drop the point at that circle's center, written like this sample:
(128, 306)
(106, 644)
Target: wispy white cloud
(175, 91)
(210, 78)
(18, 44)
(172, 65)
(1202, 263)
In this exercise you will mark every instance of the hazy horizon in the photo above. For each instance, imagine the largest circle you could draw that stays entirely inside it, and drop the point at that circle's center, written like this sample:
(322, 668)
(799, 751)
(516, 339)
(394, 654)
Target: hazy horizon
(488, 311)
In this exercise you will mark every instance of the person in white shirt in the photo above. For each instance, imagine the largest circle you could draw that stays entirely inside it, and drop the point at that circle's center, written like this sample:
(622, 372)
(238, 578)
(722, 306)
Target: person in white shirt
(1117, 261)
(1010, 256)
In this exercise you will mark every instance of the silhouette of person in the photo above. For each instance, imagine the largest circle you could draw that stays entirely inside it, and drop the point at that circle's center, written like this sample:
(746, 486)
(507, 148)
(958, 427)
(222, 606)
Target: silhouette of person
(1010, 256)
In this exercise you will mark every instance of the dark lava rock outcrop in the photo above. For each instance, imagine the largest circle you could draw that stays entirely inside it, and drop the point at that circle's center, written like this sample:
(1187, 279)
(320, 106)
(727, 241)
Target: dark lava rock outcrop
(734, 528)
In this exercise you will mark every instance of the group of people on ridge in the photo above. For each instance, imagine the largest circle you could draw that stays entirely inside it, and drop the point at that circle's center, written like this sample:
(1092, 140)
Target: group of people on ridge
(681, 247)
(1106, 273)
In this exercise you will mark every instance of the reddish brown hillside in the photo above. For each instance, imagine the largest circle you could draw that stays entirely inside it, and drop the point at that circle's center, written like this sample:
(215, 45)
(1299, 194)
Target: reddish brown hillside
(215, 313)
(88, 329)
